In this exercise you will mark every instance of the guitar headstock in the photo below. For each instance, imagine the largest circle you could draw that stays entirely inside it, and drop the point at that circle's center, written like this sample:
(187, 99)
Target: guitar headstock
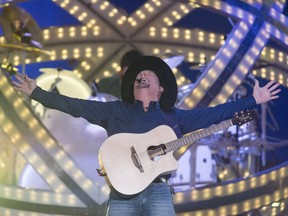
(243, 117)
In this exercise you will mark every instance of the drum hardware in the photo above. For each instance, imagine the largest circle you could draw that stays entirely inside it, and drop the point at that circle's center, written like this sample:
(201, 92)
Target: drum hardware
(95, 88)
(53, 88)
(21, 33)
(57, 79)
(54, 85)
(9, 68)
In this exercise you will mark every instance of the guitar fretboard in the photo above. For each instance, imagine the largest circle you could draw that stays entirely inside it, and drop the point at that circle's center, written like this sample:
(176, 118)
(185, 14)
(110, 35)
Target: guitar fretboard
(189, 139)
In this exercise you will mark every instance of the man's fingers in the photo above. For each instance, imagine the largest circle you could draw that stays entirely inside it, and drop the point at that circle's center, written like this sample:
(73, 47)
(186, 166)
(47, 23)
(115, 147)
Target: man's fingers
(256, 82)
(17, 84)
(274, 86)
(276, 92)
(269, 84)
(275, 97)
(28, 79)
(19, 78)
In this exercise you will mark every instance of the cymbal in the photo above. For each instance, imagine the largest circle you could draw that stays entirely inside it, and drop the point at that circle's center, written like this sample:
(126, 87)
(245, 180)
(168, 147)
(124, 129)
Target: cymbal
(198, 67)
(25, 47)
(173, 60)
(5, 3)
(20, 28)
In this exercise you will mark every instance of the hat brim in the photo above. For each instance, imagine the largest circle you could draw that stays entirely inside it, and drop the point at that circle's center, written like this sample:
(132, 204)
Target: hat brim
(164, 74)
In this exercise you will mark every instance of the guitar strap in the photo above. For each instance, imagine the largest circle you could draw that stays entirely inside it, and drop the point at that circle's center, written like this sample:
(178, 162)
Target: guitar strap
(172, 122)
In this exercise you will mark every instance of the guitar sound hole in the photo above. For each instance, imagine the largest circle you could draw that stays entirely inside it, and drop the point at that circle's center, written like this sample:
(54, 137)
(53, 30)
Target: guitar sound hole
(155, 151)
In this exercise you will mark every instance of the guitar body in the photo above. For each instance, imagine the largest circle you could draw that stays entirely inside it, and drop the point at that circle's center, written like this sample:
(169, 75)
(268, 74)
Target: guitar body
(125, 160)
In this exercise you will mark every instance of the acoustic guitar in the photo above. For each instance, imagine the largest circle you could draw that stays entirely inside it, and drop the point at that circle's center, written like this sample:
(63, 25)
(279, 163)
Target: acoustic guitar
(130, 162)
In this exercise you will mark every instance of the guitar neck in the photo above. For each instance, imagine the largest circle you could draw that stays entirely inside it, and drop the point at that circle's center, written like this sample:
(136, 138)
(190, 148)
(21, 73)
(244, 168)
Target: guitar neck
(189, 139)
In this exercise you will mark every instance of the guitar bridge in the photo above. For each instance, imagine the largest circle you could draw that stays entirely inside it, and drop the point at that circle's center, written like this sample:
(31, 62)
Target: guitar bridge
(101, 172)
(136, 160)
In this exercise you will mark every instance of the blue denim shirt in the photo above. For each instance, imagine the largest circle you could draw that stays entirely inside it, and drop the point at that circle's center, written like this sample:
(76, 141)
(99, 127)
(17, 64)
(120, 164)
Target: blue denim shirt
(117, 116)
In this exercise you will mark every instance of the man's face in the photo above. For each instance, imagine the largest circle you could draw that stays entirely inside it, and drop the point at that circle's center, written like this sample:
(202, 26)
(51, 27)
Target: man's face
(148, 80)
(145, 79)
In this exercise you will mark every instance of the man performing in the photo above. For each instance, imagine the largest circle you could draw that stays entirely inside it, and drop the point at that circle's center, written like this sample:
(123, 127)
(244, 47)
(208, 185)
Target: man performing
(148, 93)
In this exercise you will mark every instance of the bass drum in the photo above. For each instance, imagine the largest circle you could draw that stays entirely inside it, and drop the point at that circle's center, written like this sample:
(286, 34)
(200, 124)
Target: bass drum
(80, 139)
(63, 81)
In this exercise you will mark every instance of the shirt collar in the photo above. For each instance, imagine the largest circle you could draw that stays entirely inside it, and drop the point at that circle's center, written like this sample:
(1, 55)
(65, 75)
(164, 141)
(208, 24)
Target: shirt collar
(155, 105)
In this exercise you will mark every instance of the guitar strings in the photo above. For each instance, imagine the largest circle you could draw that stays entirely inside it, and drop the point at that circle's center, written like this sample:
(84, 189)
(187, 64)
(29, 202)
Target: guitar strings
(143, 155)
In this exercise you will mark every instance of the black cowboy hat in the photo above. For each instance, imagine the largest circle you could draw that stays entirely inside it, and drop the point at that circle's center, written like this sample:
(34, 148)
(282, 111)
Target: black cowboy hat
(161, 69)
